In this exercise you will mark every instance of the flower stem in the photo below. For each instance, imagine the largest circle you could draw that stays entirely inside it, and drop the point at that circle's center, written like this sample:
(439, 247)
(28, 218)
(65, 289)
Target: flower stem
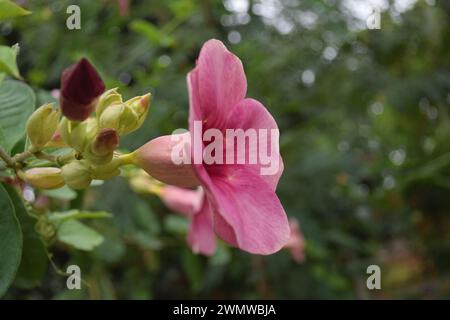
(127, 158)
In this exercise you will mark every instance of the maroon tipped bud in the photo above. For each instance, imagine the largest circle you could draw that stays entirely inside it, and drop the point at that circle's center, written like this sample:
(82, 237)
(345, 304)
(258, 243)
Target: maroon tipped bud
(81, 85)
(106, 141)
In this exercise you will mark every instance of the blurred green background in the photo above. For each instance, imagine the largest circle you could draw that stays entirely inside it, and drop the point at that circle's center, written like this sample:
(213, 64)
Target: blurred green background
(365, 136)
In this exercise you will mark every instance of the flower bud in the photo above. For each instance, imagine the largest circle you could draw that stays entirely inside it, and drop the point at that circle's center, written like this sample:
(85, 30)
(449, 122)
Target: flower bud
(44, 178)
(81, 85)
(109, 98)
(56, 141)
(120, 118)
(42, 125)
(101, 150)
(77, 174)
(107, 171)
(78, 135)
(140, 106)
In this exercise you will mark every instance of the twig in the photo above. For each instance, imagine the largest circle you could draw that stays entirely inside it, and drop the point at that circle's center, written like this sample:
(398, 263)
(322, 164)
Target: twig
(6, 157)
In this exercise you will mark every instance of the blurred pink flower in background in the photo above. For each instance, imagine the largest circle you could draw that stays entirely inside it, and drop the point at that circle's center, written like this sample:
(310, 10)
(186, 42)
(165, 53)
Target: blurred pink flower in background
(124, 7)
(56, 93)
(192, 204)
(296, 243)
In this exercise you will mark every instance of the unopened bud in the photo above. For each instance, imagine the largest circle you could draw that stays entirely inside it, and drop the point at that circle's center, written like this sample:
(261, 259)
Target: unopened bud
(101, 150)
(140, 106)
(107, 99)
(42, 125)
(56, 141)
(120, 118)
(77, 174)
(78, 135)
(44, 178)
(81, 85)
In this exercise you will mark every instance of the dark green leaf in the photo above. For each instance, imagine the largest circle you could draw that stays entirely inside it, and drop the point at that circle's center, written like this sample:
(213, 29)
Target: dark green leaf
(34, 256)
(10, 241)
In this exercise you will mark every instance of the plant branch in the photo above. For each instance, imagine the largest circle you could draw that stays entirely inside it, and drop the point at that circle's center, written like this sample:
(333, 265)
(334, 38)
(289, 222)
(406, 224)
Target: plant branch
(6, 157)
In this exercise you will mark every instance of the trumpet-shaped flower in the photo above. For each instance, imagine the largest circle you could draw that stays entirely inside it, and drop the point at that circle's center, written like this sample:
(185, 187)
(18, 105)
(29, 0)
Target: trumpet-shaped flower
(239, 199)
(246, 211)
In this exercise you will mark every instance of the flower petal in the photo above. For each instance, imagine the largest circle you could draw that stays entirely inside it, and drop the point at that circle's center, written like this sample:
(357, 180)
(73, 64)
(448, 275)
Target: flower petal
(201, 236)
(223, 84)
(181, 200)
(249, 214)
(250, 114)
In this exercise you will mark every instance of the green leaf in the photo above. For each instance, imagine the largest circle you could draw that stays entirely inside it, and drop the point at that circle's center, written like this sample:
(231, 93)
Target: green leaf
(57, 217)
(10, 241)
(78, 235)
(16, 105)
(34, 256)
(2, 76)
(154, 35)
(176, 224)
(8, 62)
(9, 9)
(64, 193)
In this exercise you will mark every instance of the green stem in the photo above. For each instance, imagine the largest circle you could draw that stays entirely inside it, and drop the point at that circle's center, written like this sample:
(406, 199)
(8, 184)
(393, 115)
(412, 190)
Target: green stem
(127, 158)
(6, 157)
(46, 156)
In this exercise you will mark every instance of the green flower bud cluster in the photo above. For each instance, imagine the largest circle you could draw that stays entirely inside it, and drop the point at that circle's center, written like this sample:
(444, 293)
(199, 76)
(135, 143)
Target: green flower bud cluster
(124, 117)
(94, 140)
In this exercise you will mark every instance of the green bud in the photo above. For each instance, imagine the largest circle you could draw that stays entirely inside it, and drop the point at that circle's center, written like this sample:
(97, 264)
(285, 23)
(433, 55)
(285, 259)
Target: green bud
(107, 171)
(78, 135)
(107, 99)
(140, 106)
(42, 124)
(120, 118)
(77, 174)
(44, 178)
(101, 150)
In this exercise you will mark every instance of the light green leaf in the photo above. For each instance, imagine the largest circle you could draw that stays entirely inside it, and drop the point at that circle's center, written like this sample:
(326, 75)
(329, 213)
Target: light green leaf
(10, 241)
(16, 105)
(176, 224)
(64, 193)
(8, 62)
(34, 256)
(9, 9)
(78, 235)
(2, 76)
(154, 35)
(57, 217)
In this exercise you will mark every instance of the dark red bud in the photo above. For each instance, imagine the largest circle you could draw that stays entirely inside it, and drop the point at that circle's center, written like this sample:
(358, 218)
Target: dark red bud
(81, 85)
(106, 141)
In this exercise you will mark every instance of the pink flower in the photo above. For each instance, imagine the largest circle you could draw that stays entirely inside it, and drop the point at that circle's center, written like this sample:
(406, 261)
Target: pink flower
(124, 7)
(246, 211)
(241, 203)
(296, 243)
(193, 204)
